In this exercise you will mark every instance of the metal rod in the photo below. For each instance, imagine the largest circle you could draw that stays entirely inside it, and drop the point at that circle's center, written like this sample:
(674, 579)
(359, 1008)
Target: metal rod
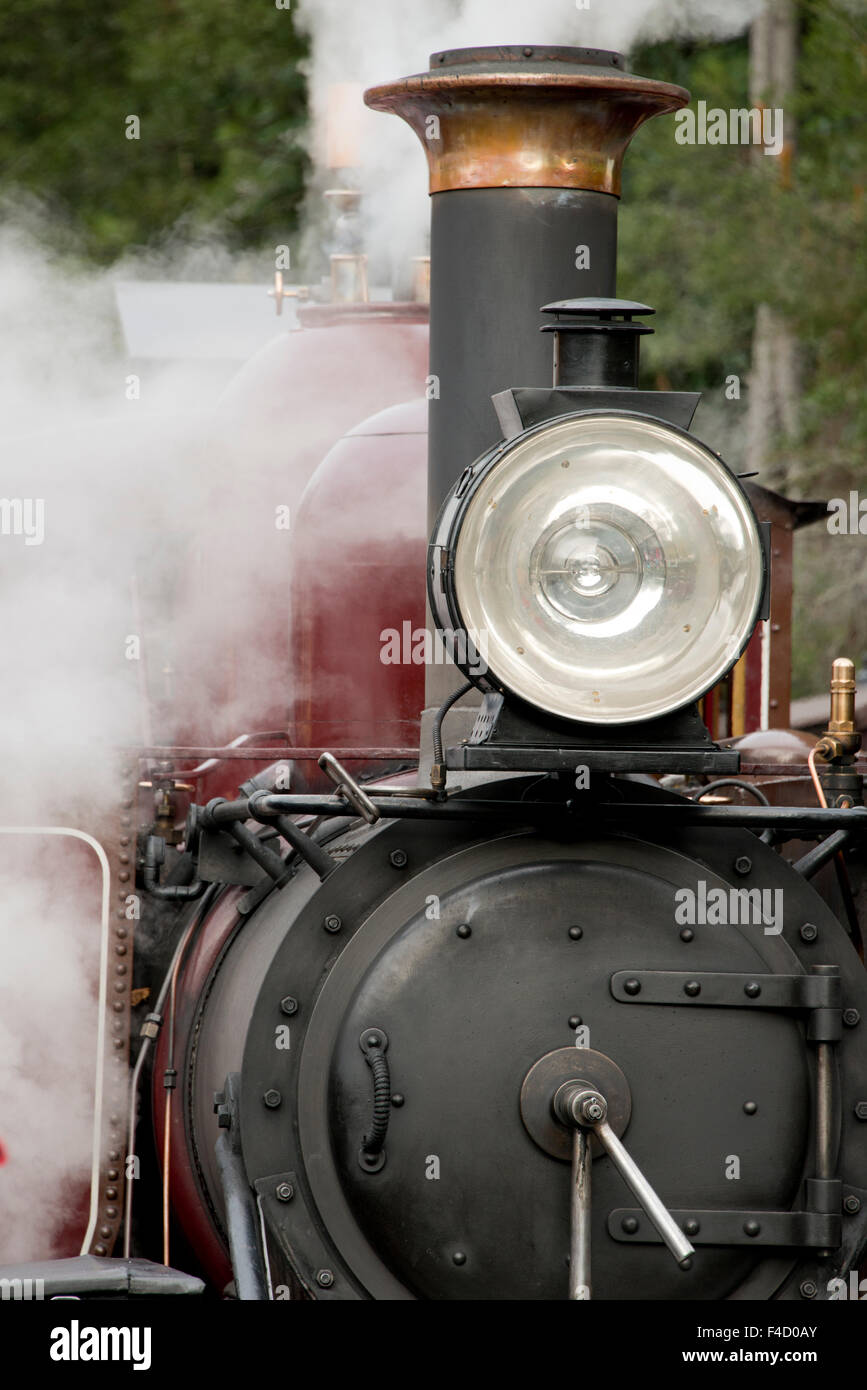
(579, 1250)
(251, 753)
(811, 862)
(785, 818)
(644, 1194)
(259, 853)
(241, 1224)
(824, 1111)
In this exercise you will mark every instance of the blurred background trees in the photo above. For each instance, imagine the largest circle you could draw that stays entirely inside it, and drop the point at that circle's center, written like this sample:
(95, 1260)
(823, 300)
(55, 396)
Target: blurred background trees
(708, 233)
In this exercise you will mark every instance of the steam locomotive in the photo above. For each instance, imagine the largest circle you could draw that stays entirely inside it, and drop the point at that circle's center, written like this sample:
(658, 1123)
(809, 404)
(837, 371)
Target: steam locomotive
(532, 972)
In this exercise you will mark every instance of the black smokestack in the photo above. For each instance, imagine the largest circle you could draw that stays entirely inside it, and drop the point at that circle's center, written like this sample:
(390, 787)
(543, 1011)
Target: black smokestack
(525, 147)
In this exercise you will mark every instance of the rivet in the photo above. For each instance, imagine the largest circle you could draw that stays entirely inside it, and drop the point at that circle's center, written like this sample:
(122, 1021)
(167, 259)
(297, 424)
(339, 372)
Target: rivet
(629, 1225)
(459, 1258)
(576, 933)
(752, 990)
(750, 1107)
(692, 988)
(575, 1022)
(397, 1100)
(692, 1228)
(687, 934)
(752, 1228)
(99, 1250)
(632, 987)
(111, 1193)
(464, 930)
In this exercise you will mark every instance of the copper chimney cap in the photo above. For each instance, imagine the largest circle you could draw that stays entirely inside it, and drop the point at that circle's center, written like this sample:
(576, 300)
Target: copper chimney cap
(526, 117)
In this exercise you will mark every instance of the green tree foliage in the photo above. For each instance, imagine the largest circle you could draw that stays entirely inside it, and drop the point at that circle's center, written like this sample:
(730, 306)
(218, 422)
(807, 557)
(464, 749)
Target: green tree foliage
(709, 232)
(217, 88)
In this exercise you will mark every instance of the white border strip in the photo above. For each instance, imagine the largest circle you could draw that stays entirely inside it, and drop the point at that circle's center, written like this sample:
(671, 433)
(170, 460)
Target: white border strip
(103, 1001)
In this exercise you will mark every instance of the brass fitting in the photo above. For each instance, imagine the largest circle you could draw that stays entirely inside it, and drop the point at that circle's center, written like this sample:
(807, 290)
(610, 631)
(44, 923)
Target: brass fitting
(840, 739)
(839, 744)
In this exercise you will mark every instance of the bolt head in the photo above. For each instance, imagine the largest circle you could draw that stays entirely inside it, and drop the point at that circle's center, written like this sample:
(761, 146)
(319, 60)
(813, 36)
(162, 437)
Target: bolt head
(272, 1099)
(851, 1018)
(743, 864)
(808, 1289)
(289, 1005)
(284, 1192)
(809, 932)
(324, 1278)
(852, 1205)
(332, 923)
(861, 1110)
(398, 858)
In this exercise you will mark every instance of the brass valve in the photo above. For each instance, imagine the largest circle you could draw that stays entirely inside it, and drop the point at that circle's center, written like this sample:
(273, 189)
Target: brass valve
(840, 783)
(278, 294)
(840, 739)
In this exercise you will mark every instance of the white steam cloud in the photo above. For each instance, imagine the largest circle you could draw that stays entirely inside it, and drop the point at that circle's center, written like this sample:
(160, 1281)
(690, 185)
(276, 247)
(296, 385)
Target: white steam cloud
(381, 40)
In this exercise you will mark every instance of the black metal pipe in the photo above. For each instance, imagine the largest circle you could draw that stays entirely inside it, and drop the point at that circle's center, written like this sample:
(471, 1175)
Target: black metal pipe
(783, 818)
(811, 862)
(259, 853)
(505, 252)
(250, 1281)
(170, 892)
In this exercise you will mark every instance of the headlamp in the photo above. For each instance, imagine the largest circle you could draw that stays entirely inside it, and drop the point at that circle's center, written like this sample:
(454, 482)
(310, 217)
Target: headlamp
(604, 567)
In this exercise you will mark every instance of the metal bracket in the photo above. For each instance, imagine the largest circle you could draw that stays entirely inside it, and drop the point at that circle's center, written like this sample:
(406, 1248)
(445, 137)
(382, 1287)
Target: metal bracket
(820, 994)
(792, 1229)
